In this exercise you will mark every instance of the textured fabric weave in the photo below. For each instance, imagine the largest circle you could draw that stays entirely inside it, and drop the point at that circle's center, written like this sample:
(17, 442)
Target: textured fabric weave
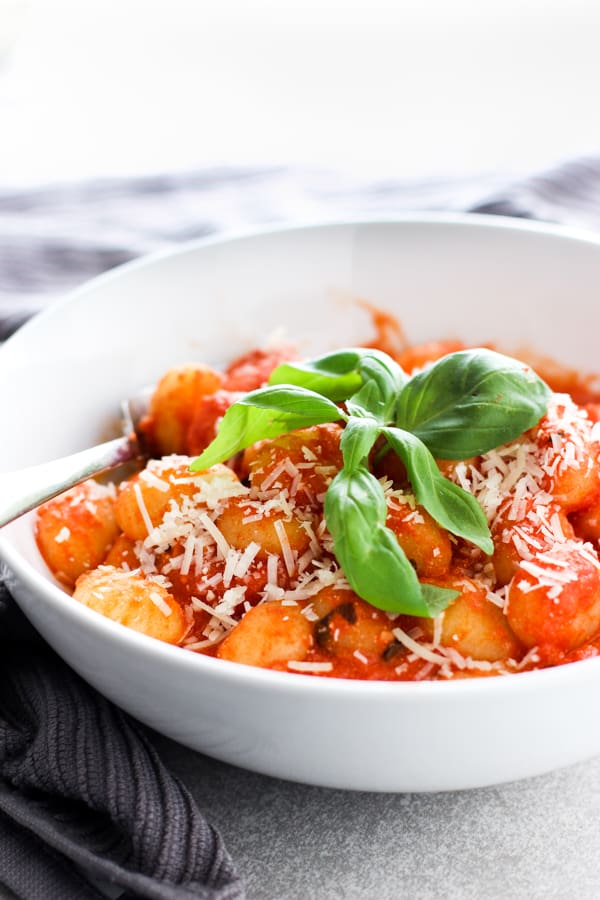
(81, 782)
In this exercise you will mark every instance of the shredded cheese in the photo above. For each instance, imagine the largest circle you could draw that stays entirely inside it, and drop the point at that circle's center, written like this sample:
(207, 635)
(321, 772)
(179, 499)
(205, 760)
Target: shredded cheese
(214, 532)
(142, 508)
(286, 550)
(314, 668)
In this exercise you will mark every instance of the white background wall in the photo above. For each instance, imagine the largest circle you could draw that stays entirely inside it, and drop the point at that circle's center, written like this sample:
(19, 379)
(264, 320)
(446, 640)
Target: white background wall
(384, 88)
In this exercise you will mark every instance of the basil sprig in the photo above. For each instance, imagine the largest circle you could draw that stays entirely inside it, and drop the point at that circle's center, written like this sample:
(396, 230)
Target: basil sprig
(463, 405)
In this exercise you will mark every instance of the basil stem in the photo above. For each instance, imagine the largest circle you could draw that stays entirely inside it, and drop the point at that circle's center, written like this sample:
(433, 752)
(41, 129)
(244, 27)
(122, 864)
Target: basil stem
(358, 438)
(382, 381)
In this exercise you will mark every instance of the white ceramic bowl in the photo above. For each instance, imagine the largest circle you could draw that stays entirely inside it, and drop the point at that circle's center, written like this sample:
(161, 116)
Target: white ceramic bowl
(61, 378)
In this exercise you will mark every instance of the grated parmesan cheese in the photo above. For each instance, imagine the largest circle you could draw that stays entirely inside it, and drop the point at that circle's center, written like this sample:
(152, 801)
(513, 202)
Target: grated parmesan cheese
(310, 667)
(421, 650)
(288, 556)
(246, 559)
(214, 532)
(142, 508)
(160, 603)
(154, 481)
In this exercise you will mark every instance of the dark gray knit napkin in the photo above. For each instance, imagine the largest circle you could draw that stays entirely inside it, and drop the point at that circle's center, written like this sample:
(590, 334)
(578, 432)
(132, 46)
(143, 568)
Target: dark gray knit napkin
(83, 790)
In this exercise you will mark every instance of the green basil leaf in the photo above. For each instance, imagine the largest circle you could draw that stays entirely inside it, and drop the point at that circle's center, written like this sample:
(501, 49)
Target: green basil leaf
(470, 402)
(437, 599)
(455, 509)
(266, 413)
(372, 560)
(382, 380)
(371, 378)
(334, 375)
(357, 440)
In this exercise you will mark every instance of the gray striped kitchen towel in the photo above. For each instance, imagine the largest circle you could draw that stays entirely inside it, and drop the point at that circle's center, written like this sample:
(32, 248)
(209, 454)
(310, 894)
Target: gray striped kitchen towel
(54, 238)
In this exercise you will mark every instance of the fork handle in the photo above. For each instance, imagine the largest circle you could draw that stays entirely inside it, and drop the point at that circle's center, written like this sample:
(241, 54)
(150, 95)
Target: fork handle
(27, 488)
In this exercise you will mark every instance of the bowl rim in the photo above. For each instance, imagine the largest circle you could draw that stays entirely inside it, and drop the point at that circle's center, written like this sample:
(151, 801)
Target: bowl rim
(467, 219)
(273, 680)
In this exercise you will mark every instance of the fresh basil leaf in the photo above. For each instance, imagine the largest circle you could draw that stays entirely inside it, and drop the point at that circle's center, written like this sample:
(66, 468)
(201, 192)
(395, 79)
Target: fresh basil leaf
(266, 413)
(334, 375)
(437, 599)
(455, 509)
(470, 402)
(382, 380)
(371, 378)
(372, 560)
(357, 440)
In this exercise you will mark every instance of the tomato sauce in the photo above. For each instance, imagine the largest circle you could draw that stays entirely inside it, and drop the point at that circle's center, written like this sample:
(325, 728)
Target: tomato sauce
(244, 554)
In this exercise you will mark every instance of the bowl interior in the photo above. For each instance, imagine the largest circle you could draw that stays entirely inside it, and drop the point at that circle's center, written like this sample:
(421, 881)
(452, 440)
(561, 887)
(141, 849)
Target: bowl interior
(477, 278)
(62, 377)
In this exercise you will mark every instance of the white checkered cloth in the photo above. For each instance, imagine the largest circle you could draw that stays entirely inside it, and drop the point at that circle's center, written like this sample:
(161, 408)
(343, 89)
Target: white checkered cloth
(52, 239)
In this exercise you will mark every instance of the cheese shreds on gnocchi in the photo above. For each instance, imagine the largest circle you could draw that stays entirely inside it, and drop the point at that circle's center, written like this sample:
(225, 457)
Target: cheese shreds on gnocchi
(250, 560)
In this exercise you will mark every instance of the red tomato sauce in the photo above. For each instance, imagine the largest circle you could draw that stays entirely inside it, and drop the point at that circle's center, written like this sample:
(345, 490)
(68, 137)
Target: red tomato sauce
(245, 560)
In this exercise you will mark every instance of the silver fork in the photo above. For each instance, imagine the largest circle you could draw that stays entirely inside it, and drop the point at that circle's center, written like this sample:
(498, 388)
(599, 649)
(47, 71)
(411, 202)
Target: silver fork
(24, 489)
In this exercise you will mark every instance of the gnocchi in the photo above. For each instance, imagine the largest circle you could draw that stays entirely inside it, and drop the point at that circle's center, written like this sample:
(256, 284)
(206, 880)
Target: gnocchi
(237, 561)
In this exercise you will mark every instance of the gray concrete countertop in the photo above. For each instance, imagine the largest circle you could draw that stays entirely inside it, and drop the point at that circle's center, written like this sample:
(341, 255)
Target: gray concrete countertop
(537, 839)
